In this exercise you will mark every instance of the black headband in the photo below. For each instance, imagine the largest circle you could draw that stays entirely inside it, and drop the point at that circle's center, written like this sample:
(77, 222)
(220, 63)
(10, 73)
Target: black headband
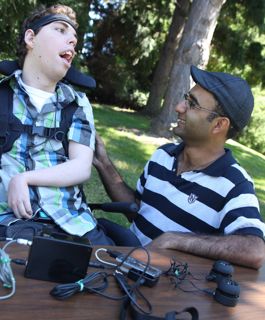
(43, 21)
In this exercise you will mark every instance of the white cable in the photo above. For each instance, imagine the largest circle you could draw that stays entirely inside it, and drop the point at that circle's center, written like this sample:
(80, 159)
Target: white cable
(6, 274)
(8, 243)
(102, 261)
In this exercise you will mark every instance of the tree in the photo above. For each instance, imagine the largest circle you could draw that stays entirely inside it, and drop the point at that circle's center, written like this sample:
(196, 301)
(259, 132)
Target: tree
(161, 75)
(239, 49)
(11, 20)
(194, 48)
(124, 45)
(13, 14)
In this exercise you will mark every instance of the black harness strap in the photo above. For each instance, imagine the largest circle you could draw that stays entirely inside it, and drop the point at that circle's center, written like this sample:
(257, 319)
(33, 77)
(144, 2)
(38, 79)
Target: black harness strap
(4, 98)
(73, 76)
(60, 133)
(11, 127)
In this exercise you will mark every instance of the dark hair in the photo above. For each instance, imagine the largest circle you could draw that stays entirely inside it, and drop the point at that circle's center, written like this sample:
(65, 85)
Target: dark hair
(34, 16)
(232, 131)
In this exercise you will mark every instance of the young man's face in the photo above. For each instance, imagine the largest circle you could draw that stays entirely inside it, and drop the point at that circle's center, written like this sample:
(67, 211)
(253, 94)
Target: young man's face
(52, 49)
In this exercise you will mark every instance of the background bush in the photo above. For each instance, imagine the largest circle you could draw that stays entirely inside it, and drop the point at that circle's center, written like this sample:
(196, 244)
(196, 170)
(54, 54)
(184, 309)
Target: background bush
(254, 135)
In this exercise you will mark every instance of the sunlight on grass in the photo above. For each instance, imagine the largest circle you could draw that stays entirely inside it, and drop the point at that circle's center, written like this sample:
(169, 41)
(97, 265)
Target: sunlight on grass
(254, 163)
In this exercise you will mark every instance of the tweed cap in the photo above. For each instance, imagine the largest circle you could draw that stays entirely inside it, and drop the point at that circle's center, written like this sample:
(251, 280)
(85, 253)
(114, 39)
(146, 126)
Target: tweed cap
(233, 94)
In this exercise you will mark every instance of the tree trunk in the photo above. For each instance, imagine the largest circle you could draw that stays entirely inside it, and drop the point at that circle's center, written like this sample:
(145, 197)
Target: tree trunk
(161, 75)
(194, 48)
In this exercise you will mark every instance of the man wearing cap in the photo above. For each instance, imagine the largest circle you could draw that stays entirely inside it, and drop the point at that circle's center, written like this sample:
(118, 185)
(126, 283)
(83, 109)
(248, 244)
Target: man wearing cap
(40, 178)
(194, 196)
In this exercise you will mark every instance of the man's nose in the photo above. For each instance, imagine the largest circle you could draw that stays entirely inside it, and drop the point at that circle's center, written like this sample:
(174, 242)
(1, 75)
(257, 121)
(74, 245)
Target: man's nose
(181, 106)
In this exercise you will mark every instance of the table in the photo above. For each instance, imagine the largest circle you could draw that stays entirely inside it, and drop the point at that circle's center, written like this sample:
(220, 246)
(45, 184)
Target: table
(32, 299)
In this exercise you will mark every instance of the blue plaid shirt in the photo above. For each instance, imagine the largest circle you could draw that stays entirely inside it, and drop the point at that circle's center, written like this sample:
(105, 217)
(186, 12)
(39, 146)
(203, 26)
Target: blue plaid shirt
(65, 205)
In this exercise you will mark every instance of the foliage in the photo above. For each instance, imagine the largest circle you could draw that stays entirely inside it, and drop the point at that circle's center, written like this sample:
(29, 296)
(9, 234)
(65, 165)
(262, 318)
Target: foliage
(123, 40)
(130, 146)
(239, 42)
(127, 36)
(11, 20)
(13, 14)
(254, 134)
(240, 50)
(123, 46)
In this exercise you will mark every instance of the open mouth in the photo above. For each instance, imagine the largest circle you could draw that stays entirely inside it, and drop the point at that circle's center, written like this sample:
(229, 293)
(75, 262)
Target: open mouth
(180, 121)
(67, 56)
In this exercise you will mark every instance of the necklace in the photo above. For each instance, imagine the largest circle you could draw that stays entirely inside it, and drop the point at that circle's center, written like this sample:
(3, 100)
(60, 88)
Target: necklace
(182, 167)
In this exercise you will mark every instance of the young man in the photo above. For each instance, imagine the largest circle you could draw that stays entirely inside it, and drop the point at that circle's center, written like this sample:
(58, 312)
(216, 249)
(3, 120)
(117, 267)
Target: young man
(194, 196)
(38, 176)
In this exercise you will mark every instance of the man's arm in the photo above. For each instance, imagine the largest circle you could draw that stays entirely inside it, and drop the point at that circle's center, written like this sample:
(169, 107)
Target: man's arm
(248, 251)
(114, 185)
(72, 172)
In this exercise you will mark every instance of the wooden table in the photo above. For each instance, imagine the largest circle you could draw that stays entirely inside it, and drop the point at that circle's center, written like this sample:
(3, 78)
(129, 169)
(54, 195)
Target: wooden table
(33, 301)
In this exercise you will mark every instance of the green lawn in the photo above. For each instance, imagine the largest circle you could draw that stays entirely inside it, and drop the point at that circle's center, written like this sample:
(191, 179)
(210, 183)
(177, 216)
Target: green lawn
(130, 145)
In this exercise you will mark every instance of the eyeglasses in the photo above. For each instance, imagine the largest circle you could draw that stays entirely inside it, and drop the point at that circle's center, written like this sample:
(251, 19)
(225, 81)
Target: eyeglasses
(192, 104)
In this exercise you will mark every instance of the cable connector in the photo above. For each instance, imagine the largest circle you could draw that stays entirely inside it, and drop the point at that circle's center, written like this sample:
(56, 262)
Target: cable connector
(21, 262)
(24, 242)
(113, 254)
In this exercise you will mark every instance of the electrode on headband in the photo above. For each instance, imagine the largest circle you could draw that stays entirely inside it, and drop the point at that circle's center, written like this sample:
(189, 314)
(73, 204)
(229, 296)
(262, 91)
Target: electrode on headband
(43, 21)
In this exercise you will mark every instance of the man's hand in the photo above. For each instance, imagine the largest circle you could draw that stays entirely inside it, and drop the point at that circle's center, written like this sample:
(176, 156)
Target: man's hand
(100, 154)
(18, 197)
(113, 183)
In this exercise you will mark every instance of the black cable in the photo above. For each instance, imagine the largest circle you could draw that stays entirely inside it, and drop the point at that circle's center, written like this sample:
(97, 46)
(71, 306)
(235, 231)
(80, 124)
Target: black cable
(96, 282)
(179, 272)
(94, 264)
(132, 291)
(115, 254)
(21, 262)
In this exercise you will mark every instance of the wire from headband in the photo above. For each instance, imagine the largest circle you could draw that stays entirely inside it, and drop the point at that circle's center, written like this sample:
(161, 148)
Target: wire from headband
(43, 21)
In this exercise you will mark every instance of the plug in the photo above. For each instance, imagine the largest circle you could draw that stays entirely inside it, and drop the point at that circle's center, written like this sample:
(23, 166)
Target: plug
(24, 241)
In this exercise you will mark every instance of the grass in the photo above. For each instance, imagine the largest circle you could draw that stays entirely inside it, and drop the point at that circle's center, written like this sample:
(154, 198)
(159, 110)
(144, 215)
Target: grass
(129, 146)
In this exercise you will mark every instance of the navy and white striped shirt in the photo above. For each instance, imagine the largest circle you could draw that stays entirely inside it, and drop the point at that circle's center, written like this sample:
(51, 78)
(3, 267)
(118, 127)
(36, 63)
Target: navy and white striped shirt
(217, 200)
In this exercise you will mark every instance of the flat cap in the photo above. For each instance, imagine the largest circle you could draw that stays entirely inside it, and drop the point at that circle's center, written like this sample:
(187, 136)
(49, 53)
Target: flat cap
(233, 94)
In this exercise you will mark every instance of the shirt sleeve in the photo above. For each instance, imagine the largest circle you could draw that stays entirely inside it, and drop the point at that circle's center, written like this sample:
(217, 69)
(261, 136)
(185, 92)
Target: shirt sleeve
(242, 214)
(82, 129)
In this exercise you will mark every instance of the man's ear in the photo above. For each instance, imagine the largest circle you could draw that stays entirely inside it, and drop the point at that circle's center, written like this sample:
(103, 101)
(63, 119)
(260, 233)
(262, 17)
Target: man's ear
(222, 124)
(29, 38)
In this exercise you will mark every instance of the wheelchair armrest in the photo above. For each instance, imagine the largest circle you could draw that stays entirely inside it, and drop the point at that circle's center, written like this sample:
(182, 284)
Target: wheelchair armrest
(120, 207)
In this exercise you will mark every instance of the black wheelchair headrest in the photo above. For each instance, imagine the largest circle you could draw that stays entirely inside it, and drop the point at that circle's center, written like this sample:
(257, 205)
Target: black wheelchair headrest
(73, 76)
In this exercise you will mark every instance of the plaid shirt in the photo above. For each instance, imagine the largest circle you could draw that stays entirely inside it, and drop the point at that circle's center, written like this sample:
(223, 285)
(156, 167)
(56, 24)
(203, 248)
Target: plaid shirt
(64, 205)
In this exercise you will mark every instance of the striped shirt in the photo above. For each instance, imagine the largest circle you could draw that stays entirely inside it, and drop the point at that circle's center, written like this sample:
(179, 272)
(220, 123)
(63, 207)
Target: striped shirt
(217, 200)
(65, 205)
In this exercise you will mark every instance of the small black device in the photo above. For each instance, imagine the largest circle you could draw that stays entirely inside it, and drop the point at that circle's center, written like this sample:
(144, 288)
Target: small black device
(220, 269)
(135, 268)
(227, 292)
(57, 260)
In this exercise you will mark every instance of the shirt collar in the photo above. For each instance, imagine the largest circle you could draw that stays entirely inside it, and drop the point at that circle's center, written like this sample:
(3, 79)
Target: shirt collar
(66, 93)
(217, 168)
